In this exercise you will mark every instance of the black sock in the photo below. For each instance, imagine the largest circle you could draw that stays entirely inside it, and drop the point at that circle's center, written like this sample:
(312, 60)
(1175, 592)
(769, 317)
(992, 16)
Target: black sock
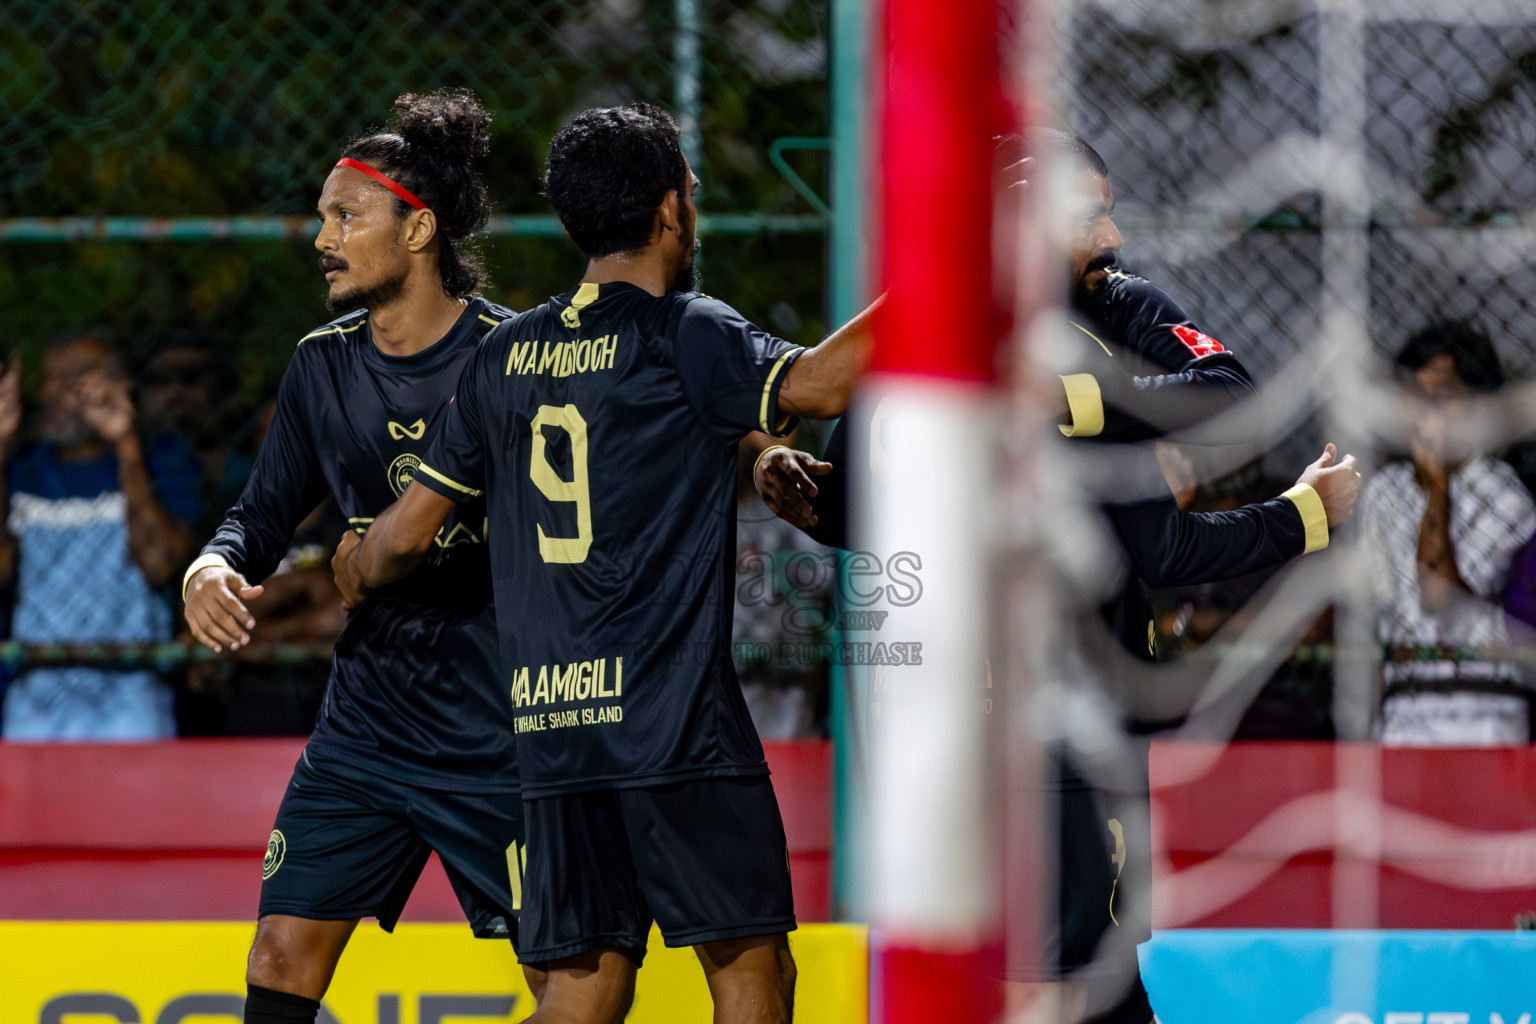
(268, 1006)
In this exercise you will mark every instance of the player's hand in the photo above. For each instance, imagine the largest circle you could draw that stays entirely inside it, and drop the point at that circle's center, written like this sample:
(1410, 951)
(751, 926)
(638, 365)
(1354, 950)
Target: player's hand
(216, 608)
(105, 405)
(10, 401)
(1337, 483)
(783, 477)
(348, 581)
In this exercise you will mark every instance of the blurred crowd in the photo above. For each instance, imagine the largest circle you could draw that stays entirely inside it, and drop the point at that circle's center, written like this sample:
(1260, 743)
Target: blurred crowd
(116, 470)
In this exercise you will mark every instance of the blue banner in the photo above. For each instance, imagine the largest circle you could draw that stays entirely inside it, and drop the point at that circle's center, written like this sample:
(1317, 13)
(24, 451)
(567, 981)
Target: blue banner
(1201, 976)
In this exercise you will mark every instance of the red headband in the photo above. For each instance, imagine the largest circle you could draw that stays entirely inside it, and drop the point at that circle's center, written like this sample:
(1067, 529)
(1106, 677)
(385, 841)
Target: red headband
(383, 179)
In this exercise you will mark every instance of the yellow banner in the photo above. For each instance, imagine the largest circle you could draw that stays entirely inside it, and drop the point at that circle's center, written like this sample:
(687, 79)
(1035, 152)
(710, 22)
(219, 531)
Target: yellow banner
(194, 973)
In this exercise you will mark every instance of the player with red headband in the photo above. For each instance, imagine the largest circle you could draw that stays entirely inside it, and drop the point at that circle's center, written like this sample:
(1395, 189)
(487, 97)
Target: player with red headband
(413, 750)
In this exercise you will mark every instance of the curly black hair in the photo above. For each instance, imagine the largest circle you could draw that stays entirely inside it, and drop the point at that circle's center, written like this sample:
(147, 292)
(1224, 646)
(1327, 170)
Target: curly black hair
(429, 146)
(609, 169)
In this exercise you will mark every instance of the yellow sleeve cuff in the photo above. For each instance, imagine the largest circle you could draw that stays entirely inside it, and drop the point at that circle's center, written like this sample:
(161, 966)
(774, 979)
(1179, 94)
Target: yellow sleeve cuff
(1313, 515)
(203, 562)
(779, 427)
(1086, 404)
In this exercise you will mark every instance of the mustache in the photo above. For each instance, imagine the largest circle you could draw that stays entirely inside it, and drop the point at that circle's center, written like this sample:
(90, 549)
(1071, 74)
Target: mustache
(1103, 261)
(330, 263)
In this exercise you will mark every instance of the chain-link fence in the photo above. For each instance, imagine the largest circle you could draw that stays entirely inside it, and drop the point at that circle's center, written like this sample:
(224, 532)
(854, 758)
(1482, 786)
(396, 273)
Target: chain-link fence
(227, 110)
(1342, 194)
(159, 165)
(1244, 140)
(1219, 161)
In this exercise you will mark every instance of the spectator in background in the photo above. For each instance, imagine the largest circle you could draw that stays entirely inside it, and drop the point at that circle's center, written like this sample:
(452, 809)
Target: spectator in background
(97, 524)
(187, 390)
(1443, 531)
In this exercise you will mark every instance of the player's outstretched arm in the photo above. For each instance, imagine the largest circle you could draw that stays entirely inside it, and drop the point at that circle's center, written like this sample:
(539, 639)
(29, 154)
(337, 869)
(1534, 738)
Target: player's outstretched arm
(821, 381)
(394, 544)
(1172, 548)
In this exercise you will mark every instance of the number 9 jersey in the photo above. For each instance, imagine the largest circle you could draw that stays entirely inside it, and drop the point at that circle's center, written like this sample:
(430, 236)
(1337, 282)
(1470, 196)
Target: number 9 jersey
(602, 428)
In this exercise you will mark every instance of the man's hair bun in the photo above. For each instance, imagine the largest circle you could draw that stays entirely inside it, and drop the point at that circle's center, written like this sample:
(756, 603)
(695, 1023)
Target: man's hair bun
(451, 121)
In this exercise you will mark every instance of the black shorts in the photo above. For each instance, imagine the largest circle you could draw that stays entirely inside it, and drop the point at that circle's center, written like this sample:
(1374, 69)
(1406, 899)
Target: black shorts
(1104, 875)
(1106, 871)
(1106, 888)
(349, 844)
(705, 859)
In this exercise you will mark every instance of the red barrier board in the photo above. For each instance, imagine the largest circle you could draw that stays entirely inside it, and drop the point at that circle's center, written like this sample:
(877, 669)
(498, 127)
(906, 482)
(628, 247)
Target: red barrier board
(1312, 835)
(176, 831)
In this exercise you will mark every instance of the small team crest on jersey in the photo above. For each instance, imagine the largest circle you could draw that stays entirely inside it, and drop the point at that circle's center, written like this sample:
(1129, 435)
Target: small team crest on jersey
(1200, 345)
(276, 847)
(402, 471)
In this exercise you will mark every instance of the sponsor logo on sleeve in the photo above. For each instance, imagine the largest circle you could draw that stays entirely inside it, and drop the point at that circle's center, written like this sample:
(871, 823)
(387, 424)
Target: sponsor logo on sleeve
(1199, 345)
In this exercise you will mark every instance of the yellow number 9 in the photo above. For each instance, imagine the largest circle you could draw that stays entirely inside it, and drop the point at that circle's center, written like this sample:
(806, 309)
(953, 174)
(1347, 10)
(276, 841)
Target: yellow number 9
(563, 549)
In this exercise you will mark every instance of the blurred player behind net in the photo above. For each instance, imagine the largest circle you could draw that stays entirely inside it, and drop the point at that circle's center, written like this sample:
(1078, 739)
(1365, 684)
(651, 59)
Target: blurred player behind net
(413, 750)
(1143, 370)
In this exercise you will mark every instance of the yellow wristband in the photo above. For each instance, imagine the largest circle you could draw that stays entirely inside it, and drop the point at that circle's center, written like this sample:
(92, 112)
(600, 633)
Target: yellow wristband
(760, 455)
(203, 562)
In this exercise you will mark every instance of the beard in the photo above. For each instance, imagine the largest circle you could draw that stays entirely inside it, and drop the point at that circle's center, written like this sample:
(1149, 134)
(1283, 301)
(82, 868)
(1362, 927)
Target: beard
(377, 297)
(687, 279)
(1080, 293)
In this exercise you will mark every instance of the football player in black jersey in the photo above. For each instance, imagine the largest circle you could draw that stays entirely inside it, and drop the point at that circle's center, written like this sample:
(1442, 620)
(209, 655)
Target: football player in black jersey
(413, 749)
(603, 428)
(1143, 370)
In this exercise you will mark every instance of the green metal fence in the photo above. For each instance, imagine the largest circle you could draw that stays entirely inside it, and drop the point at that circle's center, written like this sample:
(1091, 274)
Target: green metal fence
(171, 153)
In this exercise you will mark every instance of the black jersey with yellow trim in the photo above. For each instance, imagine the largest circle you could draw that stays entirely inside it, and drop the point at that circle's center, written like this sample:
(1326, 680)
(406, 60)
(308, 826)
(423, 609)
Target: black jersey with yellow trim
(1144, 369)
(1147, 371)
(603, 428)
(414, 692)
(1165, 546)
